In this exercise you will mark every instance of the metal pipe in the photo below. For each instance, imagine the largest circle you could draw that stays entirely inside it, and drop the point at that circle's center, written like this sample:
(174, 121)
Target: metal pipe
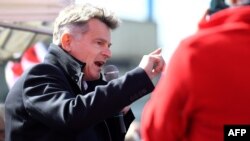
(28, 29)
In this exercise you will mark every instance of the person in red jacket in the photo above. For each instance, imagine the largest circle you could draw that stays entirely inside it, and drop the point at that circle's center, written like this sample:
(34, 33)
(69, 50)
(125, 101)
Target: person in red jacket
(207, 82)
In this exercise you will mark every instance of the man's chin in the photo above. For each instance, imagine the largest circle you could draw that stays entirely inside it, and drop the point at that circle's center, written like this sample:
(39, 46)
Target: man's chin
(93, 78)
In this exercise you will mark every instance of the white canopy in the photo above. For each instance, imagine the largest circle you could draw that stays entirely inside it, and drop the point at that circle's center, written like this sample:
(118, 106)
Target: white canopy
(21, 20)
(30, 10)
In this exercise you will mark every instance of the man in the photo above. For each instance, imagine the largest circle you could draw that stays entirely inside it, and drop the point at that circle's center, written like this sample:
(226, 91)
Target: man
(65, 98)
(206, 84)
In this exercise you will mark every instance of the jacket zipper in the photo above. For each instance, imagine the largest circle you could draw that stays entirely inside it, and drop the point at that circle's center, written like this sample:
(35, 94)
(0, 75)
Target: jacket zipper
(81, 83)
(108, 130)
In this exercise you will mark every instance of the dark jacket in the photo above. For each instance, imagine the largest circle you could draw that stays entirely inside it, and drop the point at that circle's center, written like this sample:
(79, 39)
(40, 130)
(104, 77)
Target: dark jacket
(48, 103)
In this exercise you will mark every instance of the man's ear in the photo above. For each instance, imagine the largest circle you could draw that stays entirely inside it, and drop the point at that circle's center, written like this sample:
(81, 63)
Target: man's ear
(66, 41)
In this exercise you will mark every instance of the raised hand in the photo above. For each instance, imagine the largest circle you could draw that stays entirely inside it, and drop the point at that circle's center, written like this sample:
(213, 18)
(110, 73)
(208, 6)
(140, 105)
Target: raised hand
(152, 63)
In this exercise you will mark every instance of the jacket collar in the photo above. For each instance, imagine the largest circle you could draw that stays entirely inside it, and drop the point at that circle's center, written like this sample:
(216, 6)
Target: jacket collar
(228, 15)
(73, 67)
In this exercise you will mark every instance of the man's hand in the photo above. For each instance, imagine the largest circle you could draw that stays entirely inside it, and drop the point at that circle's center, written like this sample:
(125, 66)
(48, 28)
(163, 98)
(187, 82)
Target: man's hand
(152, 63)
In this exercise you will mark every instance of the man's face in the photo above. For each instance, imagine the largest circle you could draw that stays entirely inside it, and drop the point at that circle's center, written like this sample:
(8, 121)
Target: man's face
(92, 48)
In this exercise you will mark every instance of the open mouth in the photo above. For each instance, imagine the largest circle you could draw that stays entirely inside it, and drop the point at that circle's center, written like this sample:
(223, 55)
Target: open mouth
(99, 63)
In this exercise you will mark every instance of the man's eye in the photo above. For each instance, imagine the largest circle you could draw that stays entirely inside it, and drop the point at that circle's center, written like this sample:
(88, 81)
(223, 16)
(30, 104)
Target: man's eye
(100, 43)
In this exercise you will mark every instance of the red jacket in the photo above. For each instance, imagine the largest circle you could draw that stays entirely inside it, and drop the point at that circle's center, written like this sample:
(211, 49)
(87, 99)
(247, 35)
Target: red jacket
(206, 84)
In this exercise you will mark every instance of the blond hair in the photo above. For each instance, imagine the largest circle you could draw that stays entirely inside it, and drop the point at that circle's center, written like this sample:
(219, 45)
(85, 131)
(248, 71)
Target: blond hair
(76, 16)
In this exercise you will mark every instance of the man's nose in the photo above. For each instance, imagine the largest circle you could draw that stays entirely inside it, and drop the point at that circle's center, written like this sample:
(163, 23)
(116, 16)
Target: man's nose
(107, 52)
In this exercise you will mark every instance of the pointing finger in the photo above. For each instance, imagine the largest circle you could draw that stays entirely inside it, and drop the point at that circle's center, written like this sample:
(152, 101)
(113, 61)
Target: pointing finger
(155, 52)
